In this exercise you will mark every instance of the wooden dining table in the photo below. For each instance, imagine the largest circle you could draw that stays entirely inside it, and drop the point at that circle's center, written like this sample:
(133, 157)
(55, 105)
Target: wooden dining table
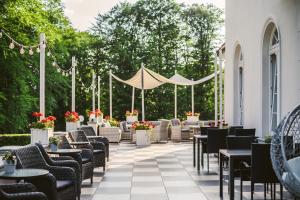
(231, 155)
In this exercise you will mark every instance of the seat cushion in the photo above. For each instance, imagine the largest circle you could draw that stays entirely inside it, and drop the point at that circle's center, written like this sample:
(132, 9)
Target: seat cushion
(61, 185)
(98, 151)
(85, 160)
(185, 130)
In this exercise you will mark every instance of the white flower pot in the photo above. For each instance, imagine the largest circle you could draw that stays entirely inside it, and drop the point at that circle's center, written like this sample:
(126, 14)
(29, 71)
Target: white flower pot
(41, 135)
(94, 125)
(143, 138)
(53, 147)
(100, 119)
(72, 126)
(9, 167)
(132, 119)
(192, 118)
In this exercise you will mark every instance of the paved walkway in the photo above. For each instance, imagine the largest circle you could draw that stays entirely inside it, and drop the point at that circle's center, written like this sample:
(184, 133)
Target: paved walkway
(157, 172)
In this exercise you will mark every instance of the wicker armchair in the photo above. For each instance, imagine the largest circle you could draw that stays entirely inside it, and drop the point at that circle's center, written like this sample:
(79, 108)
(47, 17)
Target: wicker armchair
(126, 134)
(98, 148)
(63, 161)
(85, 158)
(179, 133)
(113, 134)
(24, 191)
(59, 184)
(91, 135)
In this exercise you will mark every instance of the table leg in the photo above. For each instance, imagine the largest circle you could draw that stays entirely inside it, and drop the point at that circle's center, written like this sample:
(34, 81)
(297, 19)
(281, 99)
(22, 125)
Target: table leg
(231, 179)
(221, 174)
(194, 151)
(198, 155)
(202, 159)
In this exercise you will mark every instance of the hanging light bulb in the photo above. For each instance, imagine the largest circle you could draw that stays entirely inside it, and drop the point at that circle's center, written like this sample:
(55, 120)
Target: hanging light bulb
(12, 45)
(77, 72)
(58, 70)
(54, 64)
(30, 51)
(38, 49)
(1, 34)
(49, 53)
(30, 66)
(22, 51)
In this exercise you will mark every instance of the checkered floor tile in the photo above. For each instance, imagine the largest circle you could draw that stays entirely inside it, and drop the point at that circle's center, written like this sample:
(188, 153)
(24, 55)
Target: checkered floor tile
(158, 172)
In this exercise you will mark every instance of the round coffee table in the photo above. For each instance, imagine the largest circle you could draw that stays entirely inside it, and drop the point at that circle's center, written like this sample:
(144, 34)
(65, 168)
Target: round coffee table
(23, 174)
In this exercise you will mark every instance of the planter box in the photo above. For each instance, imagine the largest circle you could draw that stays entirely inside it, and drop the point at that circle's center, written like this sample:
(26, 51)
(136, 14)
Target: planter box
(192, 118)
(94, 125)
(41, 135)
(143, 137)
(72, 126)
(132, 119)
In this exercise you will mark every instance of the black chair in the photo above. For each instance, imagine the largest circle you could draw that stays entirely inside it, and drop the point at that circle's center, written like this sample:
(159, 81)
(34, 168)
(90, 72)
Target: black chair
(216, 140)
(59, 184)
(239, 142)
(260, 170)
(21, 191)
(89, 131)
(63, 161)
(85, 158)
(98, 148)
(231, 129)
(245, 132)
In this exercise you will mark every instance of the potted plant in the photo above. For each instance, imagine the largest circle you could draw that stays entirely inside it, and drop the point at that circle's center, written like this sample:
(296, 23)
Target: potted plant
(114, 122)
(143, 133)
(99, 115)
(53, 141)
(268, 139)
(9, 163)
(72, 121)
(192, 117)
(42, 129)
(132, 116)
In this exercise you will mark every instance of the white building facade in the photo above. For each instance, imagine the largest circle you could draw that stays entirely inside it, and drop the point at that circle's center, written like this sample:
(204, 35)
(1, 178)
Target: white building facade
(262, 73)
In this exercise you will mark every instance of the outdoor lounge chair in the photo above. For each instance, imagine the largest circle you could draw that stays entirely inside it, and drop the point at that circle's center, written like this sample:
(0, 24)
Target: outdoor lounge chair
(85, 159)
(125, 131)
(21, 191)
(91, 135)
(59, 184)
(177, 132)
(98, 148)
(113, 134)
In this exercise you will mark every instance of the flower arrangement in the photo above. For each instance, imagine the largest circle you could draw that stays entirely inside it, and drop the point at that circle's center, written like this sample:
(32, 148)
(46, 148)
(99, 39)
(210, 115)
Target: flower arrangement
(45, 123)
(134, 113)
(9, 158)
(114, 122)
(191, 114)
(95, 113)
(71, 116)
(54, 140)
(142, 125)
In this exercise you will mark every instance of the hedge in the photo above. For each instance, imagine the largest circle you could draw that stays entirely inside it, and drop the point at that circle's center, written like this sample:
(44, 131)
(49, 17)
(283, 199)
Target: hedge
(14, 139)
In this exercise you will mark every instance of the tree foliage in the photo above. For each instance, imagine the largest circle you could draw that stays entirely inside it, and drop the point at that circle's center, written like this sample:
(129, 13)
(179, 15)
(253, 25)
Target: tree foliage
(162, 34)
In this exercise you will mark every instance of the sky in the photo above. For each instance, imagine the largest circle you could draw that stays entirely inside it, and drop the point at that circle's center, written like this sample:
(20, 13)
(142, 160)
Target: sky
(82, 13)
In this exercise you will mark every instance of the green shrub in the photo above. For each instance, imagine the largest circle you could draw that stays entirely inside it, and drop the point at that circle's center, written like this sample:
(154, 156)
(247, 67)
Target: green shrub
(14, 139)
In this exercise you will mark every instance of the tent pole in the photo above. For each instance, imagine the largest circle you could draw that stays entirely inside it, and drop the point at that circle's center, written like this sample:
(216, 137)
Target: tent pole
(221, 90)
(110, 94)
(132, 103)
(193, 99)
(143, 100)
(93, 83)
(216, 89)
(99, 92)
(73, 82)
(175, 100)
(42, 74)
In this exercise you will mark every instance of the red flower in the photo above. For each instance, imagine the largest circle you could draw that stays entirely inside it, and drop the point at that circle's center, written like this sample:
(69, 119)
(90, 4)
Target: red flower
(37, 114)
(51, 118)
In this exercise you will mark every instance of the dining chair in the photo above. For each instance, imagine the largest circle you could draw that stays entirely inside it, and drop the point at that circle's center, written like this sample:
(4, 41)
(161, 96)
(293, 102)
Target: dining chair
(260, 170)
(231, 129)
(20, 191)
(239, 142)
(216, 140)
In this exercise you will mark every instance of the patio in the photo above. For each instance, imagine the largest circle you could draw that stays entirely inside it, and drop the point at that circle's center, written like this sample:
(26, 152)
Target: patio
(161, 171)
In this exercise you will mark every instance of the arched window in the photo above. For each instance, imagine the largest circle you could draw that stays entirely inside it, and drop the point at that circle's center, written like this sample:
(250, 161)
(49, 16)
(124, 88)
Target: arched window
(271, 79)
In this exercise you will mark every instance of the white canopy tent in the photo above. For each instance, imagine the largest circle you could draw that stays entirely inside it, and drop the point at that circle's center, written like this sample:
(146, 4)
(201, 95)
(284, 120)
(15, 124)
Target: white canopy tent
(146, 79)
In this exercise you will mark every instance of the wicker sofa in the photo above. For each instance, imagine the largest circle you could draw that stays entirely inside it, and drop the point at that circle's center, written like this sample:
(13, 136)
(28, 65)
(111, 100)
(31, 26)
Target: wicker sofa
(113, 134)
(179, 132)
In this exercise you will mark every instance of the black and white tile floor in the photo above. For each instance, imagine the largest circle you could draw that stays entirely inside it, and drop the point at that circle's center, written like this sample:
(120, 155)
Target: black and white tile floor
(158, 172)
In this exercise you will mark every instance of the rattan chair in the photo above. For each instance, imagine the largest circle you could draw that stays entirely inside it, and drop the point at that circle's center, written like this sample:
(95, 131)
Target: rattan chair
(21, 191)
(98, 148)
(59, 184)
(91, 135)
(85, 158)
(179, 133)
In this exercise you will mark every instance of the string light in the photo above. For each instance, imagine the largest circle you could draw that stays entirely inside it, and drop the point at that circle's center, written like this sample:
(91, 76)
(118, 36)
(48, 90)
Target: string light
(38, 50)
(1, 34)
(49, 53)
(54, 64)
(22, 51)
(30, 51)
(11, 45)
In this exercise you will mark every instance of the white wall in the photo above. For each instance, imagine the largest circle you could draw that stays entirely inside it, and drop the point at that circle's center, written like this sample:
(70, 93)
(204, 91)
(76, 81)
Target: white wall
(245, 23)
